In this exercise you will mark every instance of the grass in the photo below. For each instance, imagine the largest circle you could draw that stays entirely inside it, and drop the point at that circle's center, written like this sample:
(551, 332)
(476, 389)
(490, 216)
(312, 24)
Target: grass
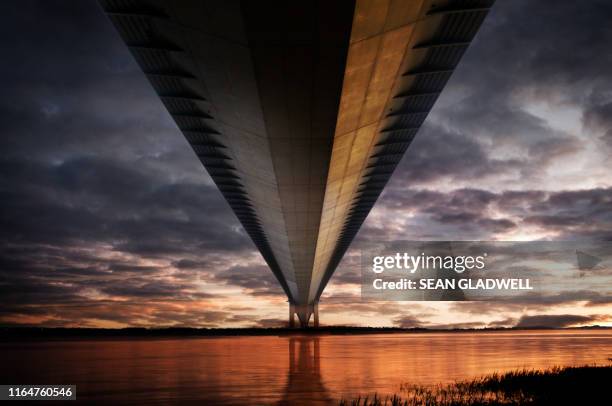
(586, 385)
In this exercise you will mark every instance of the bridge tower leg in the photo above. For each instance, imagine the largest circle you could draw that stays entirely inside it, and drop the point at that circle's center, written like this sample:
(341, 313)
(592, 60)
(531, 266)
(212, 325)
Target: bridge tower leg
(292, 315)
(303, 314)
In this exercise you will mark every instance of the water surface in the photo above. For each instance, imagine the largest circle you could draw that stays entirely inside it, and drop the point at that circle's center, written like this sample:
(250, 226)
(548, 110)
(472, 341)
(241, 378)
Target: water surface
(286, 370)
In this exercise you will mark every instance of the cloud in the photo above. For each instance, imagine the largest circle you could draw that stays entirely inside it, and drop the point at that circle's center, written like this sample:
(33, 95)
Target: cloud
(439, 153)
(258, 280)
(538, 301)
(597, 117)
(108, 218)
(89, 199)
(470, 213)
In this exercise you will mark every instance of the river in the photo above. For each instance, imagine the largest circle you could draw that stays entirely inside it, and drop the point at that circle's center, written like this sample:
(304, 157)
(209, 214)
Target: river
(285, 370)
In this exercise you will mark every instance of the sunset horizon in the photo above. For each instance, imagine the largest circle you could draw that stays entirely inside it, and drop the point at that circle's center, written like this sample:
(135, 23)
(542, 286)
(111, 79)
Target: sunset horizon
(355, 168)
(121, 226)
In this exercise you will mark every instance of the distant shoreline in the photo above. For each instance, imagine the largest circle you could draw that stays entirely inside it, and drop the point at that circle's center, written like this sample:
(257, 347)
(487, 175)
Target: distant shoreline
(37, 333)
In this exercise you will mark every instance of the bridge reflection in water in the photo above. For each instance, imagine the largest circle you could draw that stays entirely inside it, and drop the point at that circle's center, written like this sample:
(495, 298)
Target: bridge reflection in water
(287, 370)
(304, 384)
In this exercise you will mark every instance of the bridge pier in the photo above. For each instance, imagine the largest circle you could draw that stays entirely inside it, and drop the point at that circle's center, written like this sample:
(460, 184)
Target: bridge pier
(291, 315)
(303, 313)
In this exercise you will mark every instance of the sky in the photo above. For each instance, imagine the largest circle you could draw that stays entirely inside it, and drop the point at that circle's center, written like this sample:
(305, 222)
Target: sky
(108, 219)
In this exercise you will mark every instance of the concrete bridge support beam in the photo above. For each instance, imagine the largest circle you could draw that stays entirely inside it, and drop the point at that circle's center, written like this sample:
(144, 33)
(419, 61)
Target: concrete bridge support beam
(304, 313)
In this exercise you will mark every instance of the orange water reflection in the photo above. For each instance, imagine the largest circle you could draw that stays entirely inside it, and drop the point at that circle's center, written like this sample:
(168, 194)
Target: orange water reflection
(286, 370)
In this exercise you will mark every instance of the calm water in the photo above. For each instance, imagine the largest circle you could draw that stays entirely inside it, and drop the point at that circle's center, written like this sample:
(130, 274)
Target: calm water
(286, 370)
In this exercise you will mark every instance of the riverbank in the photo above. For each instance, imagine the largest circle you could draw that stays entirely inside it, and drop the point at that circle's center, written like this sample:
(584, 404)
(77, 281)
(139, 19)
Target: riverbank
(568, 386)
(26, 333)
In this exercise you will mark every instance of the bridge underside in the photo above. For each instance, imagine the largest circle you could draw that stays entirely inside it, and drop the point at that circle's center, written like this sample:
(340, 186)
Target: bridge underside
(300, 111)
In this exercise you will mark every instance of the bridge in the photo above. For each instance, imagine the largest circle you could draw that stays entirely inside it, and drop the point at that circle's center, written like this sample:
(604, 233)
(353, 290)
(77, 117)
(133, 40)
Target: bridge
(300, 111)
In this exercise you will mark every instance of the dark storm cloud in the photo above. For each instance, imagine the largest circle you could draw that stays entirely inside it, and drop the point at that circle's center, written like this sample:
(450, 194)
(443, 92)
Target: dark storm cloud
(588, 209)
(48, 219)
(557, 52)
(89, 199)
(63, 87)
(189, 264)
(439, 153)
(347, 276)
(32, 285)
(571, 214)
(598, 118)
(349, 270)
(89, 154)
(93, 169)
(257, 279)
(556, 49)
(557, 41)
